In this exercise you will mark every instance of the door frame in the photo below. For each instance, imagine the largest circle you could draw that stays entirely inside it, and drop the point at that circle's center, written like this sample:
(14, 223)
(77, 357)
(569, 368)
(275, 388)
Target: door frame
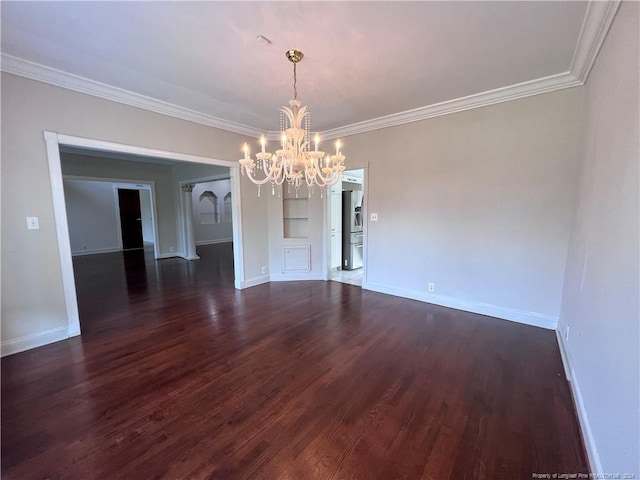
(365, 222)
(140, 186)
(54, 140)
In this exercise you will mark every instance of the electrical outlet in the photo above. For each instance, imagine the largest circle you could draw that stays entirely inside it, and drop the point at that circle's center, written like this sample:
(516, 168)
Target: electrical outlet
(172, 249)
(431, 287)
(33, 223)
(264, 269)
(374, 217)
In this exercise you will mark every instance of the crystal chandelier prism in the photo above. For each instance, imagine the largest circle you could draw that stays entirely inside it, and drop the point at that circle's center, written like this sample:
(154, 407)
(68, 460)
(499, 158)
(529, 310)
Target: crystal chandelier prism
(295, 162)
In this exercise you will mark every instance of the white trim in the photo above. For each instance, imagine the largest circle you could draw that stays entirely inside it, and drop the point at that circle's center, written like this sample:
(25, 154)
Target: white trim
(164, 256)
(20, 344)
(596, 23)
(211, 242)
(236, 226)
(583, 417)
(62, 232)
(208, 178)
(595, 26)
(181, 222)
(116, 206)
(92, 144)
(59, 78)
(505, 313)
(491, 97)
(290, 277)
(252, 282)
(95, 251)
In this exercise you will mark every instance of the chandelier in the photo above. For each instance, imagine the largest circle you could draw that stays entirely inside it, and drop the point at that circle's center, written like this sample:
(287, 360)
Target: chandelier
(295, 162)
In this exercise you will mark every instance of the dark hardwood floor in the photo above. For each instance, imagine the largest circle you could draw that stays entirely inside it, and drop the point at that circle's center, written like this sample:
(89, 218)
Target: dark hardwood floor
(179, 376)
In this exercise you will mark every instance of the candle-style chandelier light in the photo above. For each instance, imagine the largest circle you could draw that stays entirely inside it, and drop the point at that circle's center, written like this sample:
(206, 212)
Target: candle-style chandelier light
(294, 162)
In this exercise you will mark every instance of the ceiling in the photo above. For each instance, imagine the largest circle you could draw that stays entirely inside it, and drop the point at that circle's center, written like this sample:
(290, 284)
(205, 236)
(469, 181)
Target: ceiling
(363, 60)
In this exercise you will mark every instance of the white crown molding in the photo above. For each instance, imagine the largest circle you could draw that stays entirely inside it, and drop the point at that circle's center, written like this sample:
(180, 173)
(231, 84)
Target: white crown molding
(597, 22)
(42, 73)
(504, 94)
(595, 26)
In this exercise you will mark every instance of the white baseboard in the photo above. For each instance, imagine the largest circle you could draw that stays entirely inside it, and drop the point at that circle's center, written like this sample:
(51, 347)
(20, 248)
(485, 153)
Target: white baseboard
(583, 417)
(96, 251)
(512, 314)
(210, 242)
(290, 277)
(252, 282)
(162, 256)
(20, 344)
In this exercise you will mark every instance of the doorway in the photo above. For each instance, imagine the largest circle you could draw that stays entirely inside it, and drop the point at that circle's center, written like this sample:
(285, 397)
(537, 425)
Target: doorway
(130, 214)
(55, 141)
(346, 241)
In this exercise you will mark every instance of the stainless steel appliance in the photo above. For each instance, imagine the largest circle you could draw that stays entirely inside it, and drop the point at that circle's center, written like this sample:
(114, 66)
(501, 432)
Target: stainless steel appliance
(352, 221)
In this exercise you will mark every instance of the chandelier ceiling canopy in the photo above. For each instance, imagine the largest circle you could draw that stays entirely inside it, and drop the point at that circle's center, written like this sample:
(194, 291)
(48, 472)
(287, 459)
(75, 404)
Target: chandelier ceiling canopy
(295, 162)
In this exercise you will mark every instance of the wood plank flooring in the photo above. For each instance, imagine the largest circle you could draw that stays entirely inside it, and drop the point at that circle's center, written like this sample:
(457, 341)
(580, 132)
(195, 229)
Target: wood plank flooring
(179, 376)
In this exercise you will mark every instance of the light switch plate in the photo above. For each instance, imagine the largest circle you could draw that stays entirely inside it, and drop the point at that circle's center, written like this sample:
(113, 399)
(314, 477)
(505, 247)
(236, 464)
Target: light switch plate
(33, 223)
(374, 217)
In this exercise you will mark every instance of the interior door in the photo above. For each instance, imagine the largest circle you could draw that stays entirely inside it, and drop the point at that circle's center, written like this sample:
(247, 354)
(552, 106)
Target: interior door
(130, 219)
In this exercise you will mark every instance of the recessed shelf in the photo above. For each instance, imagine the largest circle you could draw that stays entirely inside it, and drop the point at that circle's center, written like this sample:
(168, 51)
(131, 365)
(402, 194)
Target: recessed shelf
(295, 217)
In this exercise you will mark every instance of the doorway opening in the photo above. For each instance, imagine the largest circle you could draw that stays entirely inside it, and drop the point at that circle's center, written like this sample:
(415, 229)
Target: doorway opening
(130, 216)
(98, 220)
(347, 221)
(56, 143)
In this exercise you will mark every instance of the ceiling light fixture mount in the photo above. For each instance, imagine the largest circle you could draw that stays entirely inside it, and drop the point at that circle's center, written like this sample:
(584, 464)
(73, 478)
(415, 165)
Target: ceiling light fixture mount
(294, 162)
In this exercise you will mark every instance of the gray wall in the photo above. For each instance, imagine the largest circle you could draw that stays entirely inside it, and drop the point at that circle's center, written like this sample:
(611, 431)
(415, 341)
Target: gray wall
(211, 232)
(600, 299)
(161, 175)
(477, 202)
(91, 216)
(32, 292)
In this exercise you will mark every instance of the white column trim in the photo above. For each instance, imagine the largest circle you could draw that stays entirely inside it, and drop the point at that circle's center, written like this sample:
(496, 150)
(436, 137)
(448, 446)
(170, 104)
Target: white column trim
(62, 231)
(186, 189)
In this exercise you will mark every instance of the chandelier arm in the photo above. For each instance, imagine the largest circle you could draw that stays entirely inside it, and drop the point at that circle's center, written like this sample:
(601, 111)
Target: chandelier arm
(322, 177)
(255, 180)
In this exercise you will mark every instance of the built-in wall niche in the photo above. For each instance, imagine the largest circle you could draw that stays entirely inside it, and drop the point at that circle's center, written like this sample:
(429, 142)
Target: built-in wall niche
(209, 212)
(295, 213)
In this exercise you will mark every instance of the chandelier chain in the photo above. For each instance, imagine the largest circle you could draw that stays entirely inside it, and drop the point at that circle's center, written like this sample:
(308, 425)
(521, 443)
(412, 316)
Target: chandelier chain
(295, 82)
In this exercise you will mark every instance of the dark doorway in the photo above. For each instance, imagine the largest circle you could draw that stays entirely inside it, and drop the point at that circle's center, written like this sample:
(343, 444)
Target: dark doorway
(130, 219)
